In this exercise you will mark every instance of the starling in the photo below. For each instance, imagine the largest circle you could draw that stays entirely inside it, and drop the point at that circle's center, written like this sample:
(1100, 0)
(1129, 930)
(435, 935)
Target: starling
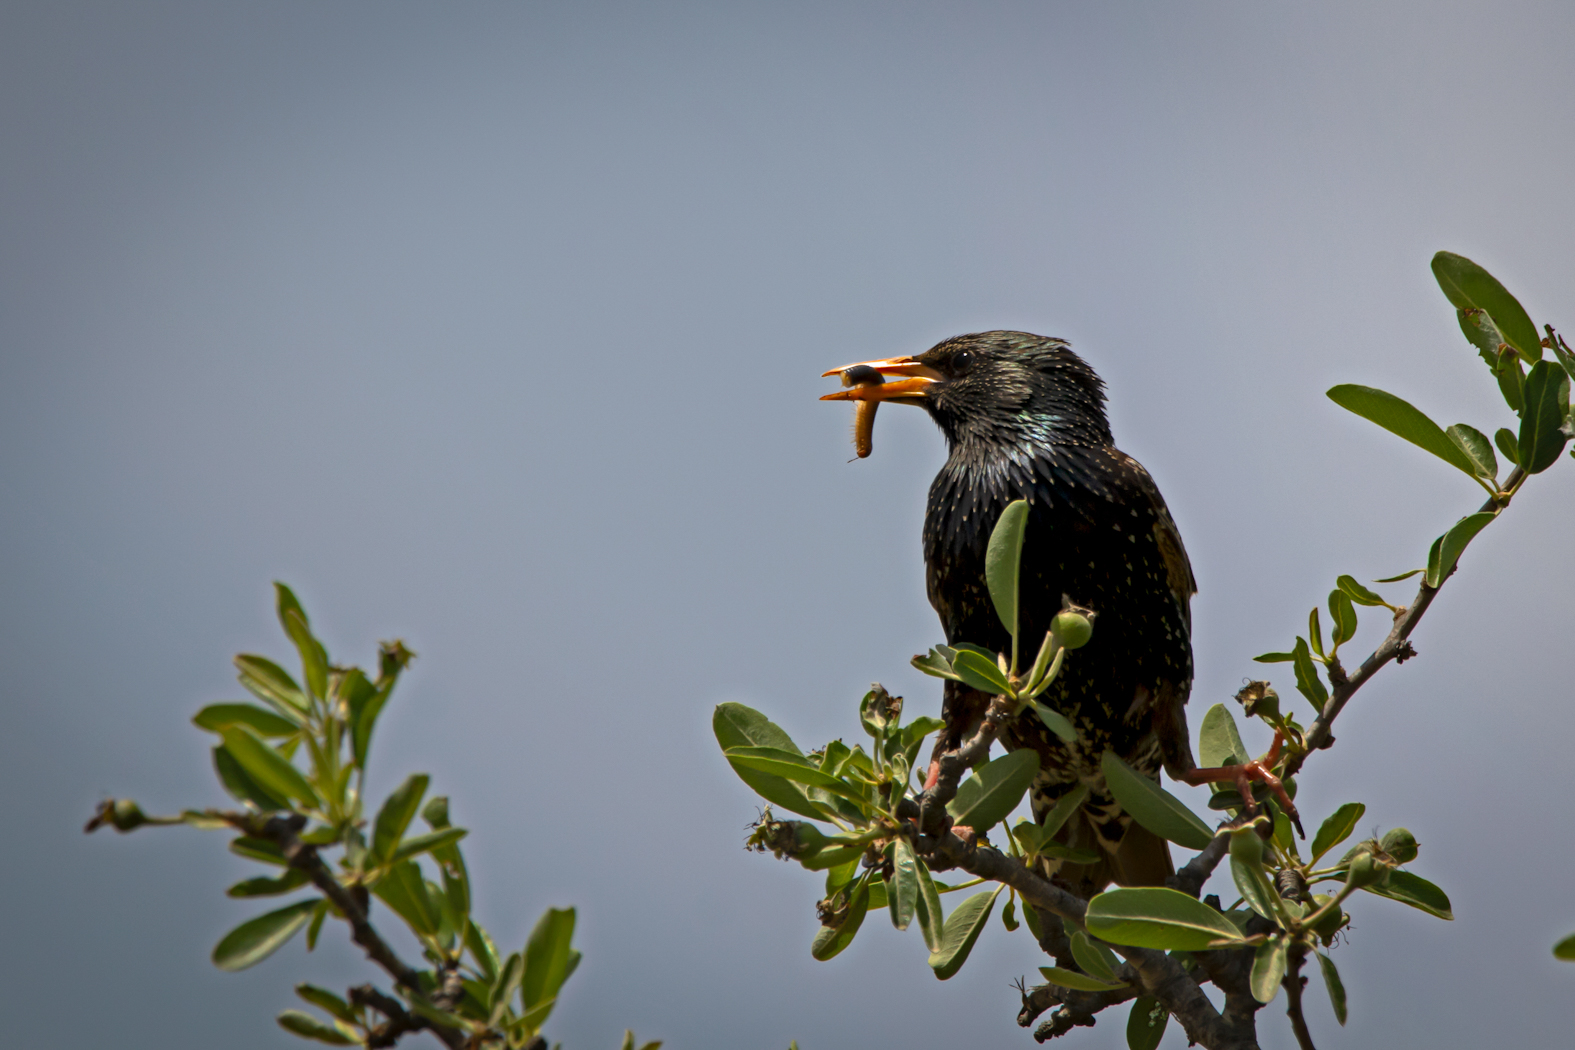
(1024, 418)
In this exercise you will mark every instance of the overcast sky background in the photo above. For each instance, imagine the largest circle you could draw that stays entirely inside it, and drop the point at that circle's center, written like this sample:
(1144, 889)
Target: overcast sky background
(498, 328)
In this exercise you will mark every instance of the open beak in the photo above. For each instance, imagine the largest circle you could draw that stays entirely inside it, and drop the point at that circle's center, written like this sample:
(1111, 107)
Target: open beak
(911, 390)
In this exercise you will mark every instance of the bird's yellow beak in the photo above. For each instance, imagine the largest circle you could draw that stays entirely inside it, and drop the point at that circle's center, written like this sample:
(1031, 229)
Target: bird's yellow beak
(910, 390)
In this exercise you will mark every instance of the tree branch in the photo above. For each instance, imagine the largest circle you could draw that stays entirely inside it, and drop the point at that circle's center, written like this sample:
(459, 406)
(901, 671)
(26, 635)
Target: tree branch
(1159, 974)
(1196, 872)
(1320, 735)
(1294, 983)
(282, 831)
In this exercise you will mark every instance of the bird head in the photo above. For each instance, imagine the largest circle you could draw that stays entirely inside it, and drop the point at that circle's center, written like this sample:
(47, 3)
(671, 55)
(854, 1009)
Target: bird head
(1007, 390)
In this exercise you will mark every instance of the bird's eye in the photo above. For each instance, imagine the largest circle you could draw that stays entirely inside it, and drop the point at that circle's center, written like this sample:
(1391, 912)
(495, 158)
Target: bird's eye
(961, 362)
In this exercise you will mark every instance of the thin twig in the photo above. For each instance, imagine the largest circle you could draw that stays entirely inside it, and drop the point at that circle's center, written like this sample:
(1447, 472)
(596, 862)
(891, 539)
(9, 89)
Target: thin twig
(282, 831)
(1320, 734)
(1294, 983)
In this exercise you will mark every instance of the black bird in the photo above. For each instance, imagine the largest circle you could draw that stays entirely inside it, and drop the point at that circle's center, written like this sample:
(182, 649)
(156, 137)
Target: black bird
(1024, 418)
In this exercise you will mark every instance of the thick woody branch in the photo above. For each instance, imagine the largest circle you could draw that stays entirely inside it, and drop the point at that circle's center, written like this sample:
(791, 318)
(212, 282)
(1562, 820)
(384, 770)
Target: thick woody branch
(1396, 646)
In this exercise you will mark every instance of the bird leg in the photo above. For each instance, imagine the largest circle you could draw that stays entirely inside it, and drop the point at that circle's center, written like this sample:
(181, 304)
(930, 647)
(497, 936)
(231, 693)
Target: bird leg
(1260, 769)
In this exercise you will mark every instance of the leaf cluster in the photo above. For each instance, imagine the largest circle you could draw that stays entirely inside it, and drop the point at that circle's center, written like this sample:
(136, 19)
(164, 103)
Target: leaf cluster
(295, 758)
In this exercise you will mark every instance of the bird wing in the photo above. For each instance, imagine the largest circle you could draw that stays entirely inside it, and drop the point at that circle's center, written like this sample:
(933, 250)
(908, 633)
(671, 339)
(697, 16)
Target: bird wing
(1167, 709)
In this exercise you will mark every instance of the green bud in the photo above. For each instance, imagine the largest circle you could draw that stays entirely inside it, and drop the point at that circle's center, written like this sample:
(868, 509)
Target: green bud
(1073, 629)
(1366, 870)
(126, 815)
(1400, 844)
(1331, 923)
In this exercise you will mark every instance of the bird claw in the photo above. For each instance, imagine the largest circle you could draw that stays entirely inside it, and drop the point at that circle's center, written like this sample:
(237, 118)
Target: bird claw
(1259, 769)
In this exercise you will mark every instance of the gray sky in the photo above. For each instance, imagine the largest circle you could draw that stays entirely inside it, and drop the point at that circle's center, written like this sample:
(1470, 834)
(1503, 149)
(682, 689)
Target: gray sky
(497, 327)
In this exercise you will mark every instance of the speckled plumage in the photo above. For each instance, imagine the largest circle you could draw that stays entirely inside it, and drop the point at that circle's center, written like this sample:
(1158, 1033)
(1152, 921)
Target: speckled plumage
(1024, 419)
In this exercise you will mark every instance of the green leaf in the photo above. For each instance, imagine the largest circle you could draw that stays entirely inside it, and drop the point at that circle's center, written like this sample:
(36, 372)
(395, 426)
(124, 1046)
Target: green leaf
(1447, 548)
(1402, 576)
(397, 811)
(1219, 742)
(547, 955)
(1003, 562)
(1246, 869)
(1541, 421)
(433, 841)
(215, 717)
(830, 940)
(903, 889)
(790, 767)
(308, 1027)
(994, 790)
(1477, 448)
(1062, 811)
(1482, 333)
(1336, 829)
(1401, 418)
(254, 940)
(1511, 380)
(316, 925)
(963, 927)
(263, 886)
(1146, 1023)
(1284, 837)
(1565, 949)
(1068, 853)
(1333, 985)
(1096, 960)
(1152, 806)
(259, 850)
(932, 923)
(1156, 917)
(267, 766)
(482, 951)
(1504, 438)
(241, 785)
(1314, 631)
(738, 726)
(505, 982)
(1056, 722)
(1081, 982)
(1268, 969)
(831, 857)
(268, 681)
(405, 892)
(326, 1001)
(1359, 594)
(366, 721)
(1274, 658)
(1470, 287)
(1343, 614)
(1415, 891)
(935, 665)
(1307, 681)
(979, 673)
(314, 659)
(1009, 914)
